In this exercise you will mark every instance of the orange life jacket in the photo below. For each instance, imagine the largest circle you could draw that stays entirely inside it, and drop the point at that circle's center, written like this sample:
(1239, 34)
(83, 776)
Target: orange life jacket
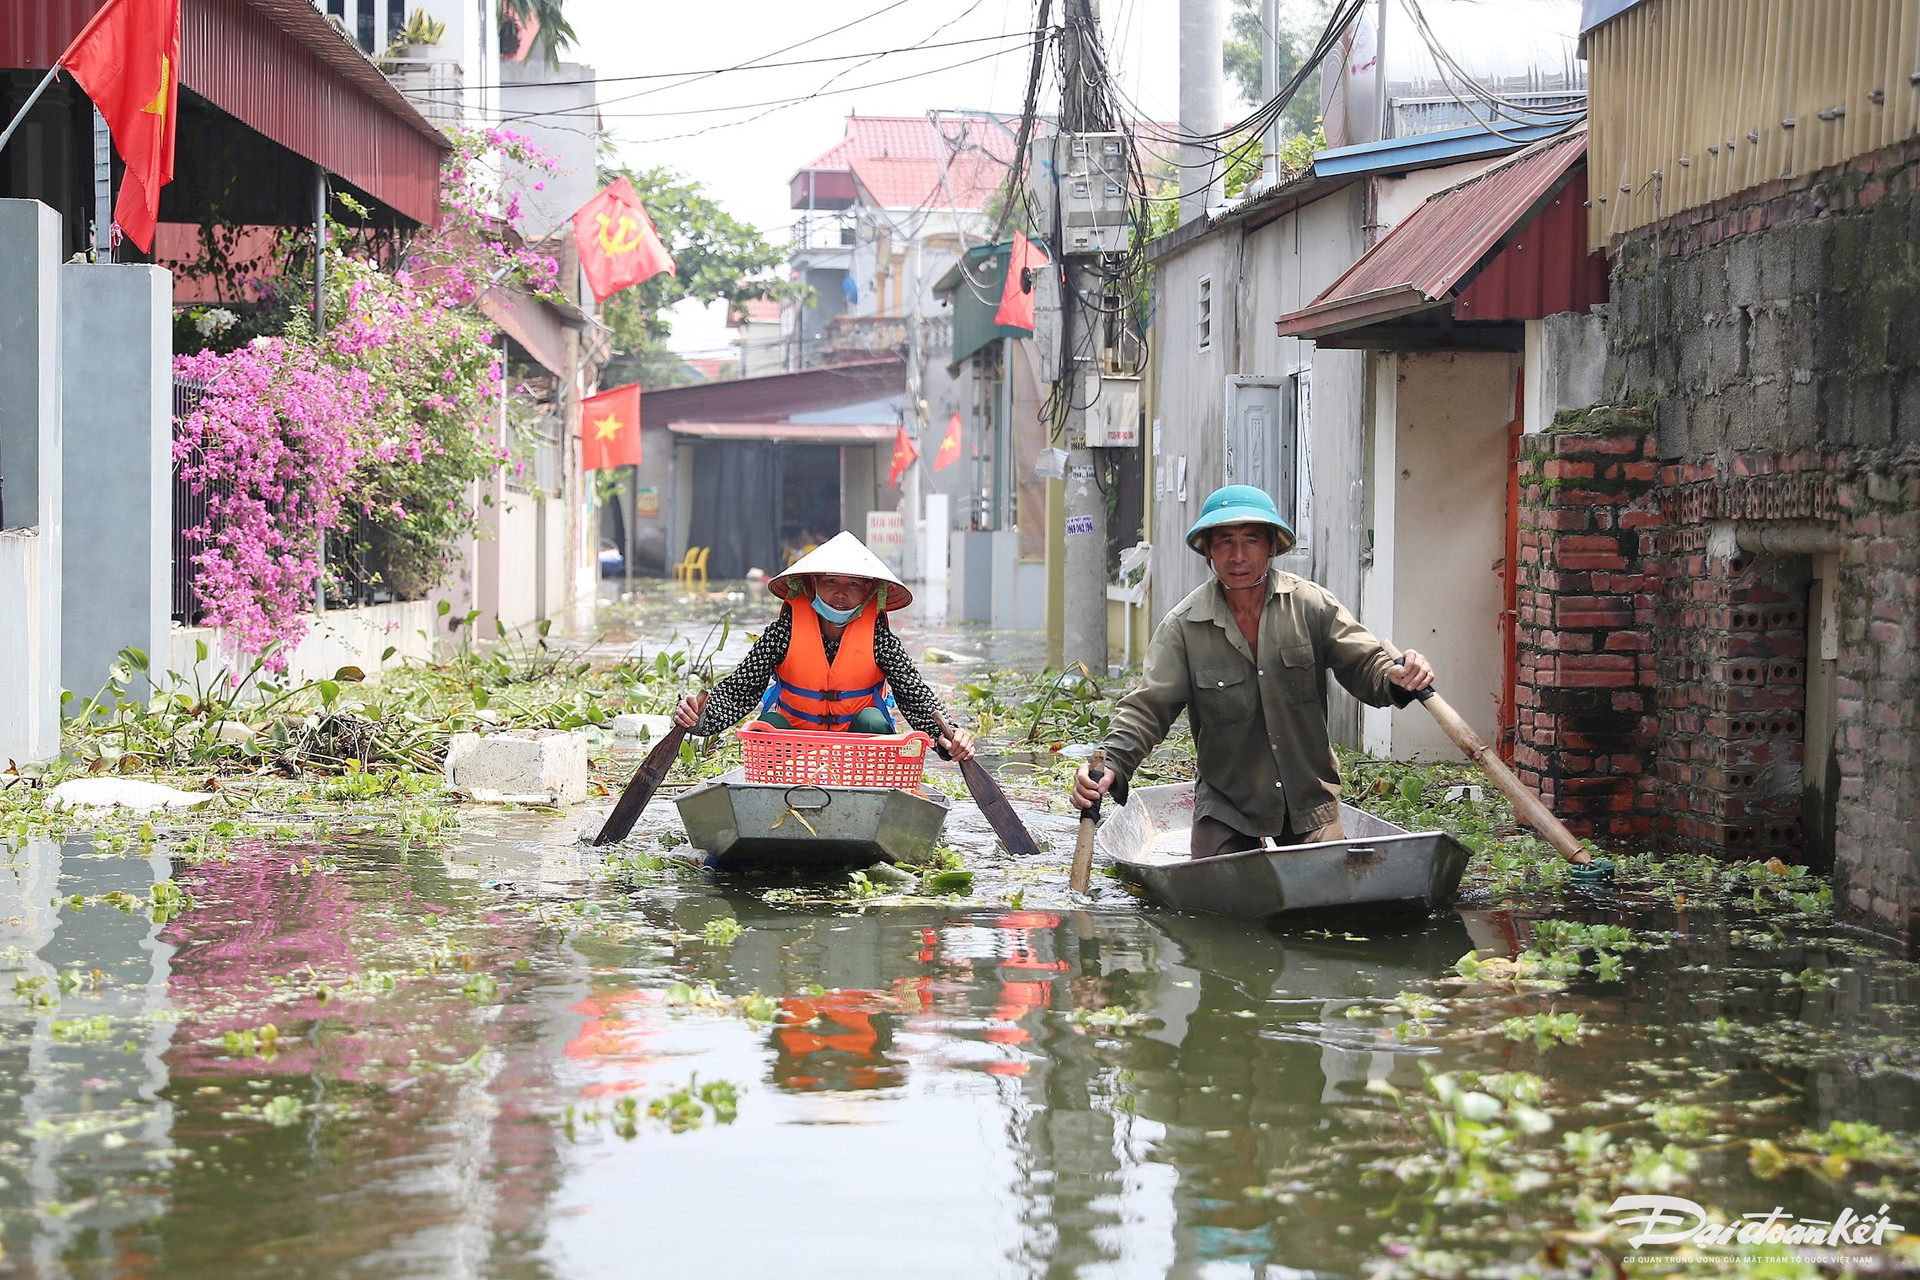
(815, 694)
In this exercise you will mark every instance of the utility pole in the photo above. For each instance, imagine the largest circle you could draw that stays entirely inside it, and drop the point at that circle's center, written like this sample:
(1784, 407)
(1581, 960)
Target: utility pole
(1203, 27)
(1084, 109)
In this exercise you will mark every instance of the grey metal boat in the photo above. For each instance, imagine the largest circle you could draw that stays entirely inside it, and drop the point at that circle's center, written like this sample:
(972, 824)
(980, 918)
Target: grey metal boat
(738, 823)
(1377, 865)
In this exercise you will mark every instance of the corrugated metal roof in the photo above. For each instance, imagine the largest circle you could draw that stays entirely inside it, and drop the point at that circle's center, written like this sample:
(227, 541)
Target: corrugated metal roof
(803, 432)
(1545, 270)
(280, 68)
(1423, 150)
(773, 396)
(1595, 12)
(1419, 262)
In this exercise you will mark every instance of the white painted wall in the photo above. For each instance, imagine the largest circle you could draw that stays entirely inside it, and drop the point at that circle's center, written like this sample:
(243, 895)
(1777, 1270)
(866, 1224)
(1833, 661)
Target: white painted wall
(338, 638)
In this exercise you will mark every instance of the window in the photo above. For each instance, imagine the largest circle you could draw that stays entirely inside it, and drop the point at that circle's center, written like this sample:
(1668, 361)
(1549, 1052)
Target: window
(1203, 313)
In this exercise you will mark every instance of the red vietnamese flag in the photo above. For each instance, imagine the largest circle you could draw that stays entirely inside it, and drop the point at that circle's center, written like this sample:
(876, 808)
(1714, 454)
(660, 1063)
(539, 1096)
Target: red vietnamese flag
(618, 245)
(949, 445)
(610, 429)
(127, 58)
(904, 455)
(1023, 278)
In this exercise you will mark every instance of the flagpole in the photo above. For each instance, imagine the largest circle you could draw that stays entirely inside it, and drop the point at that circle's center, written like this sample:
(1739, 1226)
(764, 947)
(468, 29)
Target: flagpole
(32, 98)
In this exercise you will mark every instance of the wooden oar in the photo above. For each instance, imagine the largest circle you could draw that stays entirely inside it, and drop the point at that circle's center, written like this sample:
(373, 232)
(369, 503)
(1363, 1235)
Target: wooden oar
(1082, 874)
(1527, 805)
(646, 781)
(986, 792)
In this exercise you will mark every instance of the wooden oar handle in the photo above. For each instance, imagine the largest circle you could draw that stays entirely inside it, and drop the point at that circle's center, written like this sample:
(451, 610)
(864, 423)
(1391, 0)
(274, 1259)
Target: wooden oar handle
(1526, 805)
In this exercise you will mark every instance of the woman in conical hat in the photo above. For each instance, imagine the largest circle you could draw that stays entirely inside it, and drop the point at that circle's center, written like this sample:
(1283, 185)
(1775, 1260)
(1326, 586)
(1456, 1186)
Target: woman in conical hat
(829, 661)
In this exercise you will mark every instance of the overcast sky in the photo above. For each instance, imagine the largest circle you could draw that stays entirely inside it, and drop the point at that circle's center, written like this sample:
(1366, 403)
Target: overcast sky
(745, 154)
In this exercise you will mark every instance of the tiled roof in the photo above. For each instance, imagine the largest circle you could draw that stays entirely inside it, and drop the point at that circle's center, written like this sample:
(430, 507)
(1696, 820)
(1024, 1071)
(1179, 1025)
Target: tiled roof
(899, 160)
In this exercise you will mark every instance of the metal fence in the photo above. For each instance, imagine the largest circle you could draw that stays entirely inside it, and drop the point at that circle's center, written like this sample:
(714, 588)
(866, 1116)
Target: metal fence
(190, 511)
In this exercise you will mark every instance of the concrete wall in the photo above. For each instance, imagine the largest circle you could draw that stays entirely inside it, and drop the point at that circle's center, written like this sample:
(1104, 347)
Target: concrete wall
(338, 638)
(30, 481)
(1566, 357)
(117, 416)
(1256, 277)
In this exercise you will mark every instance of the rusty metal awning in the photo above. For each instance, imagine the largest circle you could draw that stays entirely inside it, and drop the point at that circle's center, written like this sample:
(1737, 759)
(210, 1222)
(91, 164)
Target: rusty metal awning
(1443, 243)
(841, 433)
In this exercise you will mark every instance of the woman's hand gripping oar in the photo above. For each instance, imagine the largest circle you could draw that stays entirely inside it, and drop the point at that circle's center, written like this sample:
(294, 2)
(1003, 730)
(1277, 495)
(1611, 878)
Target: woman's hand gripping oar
(1526, 805)
(647, 778)
(1082, 874)
(986, 793)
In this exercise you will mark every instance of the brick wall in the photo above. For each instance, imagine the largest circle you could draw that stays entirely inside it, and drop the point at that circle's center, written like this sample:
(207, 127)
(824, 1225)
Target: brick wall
(1774, 337)
(1586, 592)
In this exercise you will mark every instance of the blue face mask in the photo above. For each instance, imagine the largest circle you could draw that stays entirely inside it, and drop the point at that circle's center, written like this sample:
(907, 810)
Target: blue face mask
(831, 614)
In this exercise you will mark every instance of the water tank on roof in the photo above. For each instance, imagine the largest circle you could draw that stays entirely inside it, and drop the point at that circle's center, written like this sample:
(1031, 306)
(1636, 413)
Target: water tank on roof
(1520, 50)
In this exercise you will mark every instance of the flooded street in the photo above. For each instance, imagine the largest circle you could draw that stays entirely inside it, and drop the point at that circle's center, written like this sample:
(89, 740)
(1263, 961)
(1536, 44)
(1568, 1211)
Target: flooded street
(510, 1054)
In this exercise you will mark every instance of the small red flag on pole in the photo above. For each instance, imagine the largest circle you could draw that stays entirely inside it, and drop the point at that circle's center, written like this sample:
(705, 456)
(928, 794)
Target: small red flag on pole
(127, 58)
(610, 429)
(904, 455)
(618, 245)
(1017, 294)
(949, 452)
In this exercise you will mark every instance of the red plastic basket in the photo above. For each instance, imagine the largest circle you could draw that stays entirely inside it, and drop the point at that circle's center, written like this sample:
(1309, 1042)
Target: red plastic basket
(803, 756)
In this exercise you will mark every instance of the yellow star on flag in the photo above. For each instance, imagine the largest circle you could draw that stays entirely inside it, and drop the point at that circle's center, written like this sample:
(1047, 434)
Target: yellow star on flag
(606, 428)
(158, 107)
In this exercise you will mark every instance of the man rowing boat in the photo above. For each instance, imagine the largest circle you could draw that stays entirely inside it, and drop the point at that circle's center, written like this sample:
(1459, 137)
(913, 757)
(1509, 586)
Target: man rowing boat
(1246, 655)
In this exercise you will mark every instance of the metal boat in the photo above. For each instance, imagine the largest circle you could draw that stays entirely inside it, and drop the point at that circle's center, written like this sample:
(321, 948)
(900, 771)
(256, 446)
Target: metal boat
(1378, 865)
(737, 823)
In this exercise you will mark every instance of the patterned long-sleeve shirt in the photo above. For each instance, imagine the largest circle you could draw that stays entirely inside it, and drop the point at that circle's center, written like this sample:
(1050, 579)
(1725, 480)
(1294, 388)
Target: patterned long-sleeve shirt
(742, 691)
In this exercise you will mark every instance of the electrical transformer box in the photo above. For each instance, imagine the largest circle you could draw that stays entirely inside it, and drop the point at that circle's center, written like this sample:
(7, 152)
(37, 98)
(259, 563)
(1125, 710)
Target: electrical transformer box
(1090, 173)
(1113, 410)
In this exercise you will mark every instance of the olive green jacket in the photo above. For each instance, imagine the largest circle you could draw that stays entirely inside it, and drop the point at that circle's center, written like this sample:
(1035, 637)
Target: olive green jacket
(1259, 726)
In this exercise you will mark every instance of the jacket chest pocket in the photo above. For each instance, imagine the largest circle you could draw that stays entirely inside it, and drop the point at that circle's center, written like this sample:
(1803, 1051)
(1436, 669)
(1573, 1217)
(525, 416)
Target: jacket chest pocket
(1300, 678)
(1225, 694)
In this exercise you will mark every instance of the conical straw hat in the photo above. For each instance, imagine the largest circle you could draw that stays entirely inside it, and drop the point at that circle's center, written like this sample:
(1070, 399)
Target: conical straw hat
(846, 555)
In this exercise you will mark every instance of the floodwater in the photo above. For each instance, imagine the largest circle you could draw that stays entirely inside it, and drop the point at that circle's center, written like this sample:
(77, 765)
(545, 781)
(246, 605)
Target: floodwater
(977, 1088)
(518, 1056)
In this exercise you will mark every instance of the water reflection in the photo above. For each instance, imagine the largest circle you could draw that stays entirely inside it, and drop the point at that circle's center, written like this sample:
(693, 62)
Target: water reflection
(978, 1091)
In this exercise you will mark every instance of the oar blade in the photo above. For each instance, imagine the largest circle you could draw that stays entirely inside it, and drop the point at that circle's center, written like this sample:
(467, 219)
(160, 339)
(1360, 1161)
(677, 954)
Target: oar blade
(999, 813)
(646, 781)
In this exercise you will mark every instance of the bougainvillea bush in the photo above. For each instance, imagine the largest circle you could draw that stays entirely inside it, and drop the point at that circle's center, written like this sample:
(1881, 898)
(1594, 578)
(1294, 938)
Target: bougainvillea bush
(272, 444)
(433, 428)
(384, 420)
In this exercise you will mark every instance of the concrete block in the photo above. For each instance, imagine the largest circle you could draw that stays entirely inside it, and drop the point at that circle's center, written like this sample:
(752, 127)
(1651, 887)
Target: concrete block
(1870, 424)
(117, 494)
(1906, 421)
(652, 728)
(525, 766)
(1812, 275)
(1776, 266)
(1743, 271)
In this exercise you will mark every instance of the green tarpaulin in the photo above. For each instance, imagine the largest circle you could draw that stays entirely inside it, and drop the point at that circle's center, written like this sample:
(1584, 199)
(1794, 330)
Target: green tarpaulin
(975, 296)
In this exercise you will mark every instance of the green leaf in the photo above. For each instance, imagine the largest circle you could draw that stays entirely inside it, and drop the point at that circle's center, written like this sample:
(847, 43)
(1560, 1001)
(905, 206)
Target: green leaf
(388, 653)
(200, 650)
(329, 692)
(444, 608)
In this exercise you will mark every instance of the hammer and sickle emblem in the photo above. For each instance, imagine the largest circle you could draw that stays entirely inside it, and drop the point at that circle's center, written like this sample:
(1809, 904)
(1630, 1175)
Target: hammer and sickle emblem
(625, 240)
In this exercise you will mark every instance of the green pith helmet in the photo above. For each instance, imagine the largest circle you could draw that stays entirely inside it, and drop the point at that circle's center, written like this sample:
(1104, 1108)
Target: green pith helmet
(1239, 504)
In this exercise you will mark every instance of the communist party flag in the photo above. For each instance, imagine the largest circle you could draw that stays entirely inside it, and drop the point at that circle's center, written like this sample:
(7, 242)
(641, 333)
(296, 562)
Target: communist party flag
(903, 456)
(949, 445)
(610, 429)
(618, 245)
(127, 58)
(1016, 295)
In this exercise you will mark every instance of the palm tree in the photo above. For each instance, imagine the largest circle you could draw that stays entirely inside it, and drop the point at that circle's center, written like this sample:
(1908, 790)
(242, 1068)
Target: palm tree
(545, 17)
